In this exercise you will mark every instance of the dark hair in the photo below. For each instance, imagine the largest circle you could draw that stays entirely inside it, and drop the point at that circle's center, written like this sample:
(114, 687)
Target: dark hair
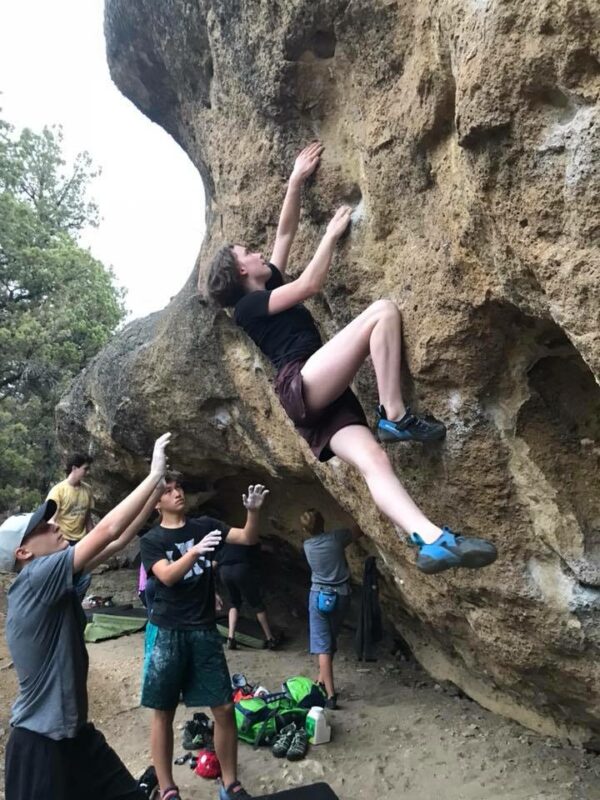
(77, 460)
(223, 284)
(172, 476)
(312, 522)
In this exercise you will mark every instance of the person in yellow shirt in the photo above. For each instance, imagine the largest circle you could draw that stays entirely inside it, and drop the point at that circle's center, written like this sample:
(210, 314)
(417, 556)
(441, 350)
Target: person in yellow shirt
(74, 502)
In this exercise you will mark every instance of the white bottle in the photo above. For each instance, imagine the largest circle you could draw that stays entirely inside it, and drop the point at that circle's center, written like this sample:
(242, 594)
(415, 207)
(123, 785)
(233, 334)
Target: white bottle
(317, 727)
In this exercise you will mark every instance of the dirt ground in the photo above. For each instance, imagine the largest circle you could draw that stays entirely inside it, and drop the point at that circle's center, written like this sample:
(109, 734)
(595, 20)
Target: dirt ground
(397, 734)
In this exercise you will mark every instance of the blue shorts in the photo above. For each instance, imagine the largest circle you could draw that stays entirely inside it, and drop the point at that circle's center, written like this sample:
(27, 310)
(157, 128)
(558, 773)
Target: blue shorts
(324, 628)
(187, 664)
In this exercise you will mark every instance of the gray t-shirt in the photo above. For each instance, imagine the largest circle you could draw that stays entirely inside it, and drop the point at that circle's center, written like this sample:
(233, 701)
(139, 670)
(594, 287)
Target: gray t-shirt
(44, 631)
(327, 560)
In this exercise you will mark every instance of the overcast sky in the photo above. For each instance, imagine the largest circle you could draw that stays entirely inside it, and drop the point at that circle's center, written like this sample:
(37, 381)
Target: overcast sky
(53, 71)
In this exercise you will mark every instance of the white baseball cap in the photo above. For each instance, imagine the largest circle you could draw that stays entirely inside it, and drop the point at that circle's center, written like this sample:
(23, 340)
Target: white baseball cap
(15, 529)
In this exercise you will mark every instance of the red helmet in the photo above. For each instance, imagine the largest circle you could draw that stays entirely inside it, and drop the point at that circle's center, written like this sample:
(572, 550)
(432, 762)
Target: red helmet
(208, 764)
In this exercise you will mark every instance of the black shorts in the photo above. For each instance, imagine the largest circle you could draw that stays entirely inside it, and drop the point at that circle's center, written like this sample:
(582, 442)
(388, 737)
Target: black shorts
(318, 428)
(39, 768)
(242, 583)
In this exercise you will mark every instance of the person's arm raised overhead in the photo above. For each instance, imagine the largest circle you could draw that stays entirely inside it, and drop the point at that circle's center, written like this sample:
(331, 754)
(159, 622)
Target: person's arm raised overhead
(312, 279)
(130, 532)
(252, 501)
(304, 166)
(117, 520)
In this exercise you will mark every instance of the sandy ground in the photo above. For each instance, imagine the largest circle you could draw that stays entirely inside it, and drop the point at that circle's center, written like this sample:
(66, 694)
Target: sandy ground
(397, 735)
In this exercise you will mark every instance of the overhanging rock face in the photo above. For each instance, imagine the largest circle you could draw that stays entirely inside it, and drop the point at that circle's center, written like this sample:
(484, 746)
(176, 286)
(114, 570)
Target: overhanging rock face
(468, 136)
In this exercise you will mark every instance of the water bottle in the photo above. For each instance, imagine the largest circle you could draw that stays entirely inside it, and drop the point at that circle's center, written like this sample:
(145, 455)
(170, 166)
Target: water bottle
(317, 727)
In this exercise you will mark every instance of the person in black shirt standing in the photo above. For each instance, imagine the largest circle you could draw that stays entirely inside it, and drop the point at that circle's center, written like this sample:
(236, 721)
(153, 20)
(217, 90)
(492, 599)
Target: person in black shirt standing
(239, 571)
(184, 655)
(313, 379)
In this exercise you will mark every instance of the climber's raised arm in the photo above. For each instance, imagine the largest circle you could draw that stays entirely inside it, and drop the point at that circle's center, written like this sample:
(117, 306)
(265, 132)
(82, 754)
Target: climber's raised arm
(312, 279)
(305, 164)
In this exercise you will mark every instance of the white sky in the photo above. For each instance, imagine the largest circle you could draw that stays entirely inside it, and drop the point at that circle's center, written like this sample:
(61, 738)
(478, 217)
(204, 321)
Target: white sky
(53, 71)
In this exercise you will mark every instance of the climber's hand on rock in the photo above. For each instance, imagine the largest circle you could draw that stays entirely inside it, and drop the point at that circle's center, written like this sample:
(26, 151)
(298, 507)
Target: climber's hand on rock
(339, 222)
(159, 464)
(255, 497)
(306, 162)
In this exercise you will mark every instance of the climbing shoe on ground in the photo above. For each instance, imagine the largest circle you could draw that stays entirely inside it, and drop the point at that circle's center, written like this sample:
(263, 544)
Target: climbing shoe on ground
(331, 702)
(299, 746)
(192, 741)
(235, 791)
(148, 783)
(452, 550)
(172, 793)
(197, 732)
(282, 743)
(231, 643)
(270, 644)
(410, 428)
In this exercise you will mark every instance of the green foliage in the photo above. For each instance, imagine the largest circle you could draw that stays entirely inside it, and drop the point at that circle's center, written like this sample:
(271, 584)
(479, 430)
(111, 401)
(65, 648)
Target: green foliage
(58, 304)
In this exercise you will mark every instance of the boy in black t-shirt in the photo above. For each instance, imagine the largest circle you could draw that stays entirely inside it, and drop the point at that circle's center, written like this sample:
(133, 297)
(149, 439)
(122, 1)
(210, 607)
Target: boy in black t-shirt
(184, 655)
(313, 379)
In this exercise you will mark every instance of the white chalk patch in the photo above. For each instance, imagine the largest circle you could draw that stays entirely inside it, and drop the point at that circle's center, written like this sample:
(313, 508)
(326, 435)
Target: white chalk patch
(257, 366)
(556, 588)
(579, 138)
(455, 402)
(358, 214)
(222, 418)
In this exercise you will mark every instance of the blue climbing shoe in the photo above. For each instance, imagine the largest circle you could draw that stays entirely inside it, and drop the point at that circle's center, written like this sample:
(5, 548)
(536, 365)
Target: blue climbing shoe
(410, 428)
(234, 791)
(452, 550)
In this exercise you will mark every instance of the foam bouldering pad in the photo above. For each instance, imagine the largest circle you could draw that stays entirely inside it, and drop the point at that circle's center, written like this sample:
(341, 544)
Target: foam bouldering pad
(111, 626)
(248, 632)
(117, 611)
(316, 791)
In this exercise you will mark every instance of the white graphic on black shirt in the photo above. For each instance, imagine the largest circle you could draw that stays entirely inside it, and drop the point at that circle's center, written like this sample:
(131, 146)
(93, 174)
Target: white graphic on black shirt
(199, 566)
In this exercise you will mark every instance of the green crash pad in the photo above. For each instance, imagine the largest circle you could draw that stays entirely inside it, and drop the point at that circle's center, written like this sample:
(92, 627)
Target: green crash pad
(111, 626)
(117, 611)
(248, 632)
(102, 625)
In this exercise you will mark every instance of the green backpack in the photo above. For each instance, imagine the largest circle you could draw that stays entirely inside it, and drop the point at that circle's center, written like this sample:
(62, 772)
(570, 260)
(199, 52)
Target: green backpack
(304, 693)
(259, 719)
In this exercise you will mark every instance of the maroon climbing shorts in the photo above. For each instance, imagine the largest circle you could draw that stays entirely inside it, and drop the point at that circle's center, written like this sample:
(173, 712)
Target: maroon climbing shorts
(317, 428)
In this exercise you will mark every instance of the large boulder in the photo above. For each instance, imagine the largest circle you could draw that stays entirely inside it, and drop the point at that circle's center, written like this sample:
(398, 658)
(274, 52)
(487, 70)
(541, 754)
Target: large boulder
(467, 134)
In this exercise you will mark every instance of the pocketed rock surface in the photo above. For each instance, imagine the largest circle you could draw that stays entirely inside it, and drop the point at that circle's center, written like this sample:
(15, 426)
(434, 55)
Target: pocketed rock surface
(466, 135)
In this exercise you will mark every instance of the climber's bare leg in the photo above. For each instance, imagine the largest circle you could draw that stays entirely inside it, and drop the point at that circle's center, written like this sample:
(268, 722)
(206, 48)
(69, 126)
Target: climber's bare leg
(356, 445)
(329, 371)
